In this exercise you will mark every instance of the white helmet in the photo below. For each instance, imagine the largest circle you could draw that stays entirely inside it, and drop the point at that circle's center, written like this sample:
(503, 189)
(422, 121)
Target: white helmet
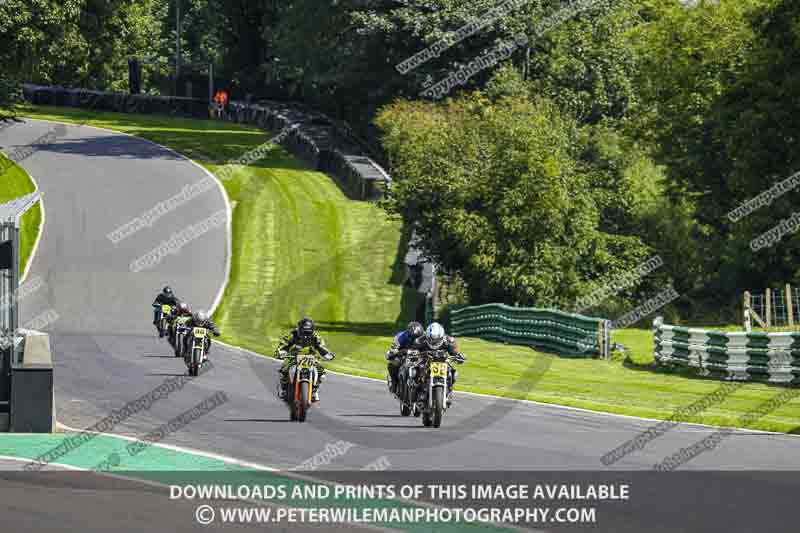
(435, 335)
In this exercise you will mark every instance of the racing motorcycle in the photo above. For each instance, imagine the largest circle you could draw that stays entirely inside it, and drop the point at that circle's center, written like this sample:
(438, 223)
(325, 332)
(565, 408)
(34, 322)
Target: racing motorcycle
(197, 356)
(163, 322)
(406, 389)
(435, 378)
(303, 377)
(181, 332)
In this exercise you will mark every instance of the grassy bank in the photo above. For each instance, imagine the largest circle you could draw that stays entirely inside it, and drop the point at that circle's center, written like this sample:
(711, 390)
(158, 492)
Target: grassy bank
(301, 247)
(16, 183)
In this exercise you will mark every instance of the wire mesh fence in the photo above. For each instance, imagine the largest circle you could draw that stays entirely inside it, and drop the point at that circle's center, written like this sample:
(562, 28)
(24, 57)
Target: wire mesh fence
(773, 309)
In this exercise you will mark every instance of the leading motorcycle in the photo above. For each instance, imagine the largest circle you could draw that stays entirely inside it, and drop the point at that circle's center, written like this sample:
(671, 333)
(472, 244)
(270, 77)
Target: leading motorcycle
(435, 379)
(197, 356)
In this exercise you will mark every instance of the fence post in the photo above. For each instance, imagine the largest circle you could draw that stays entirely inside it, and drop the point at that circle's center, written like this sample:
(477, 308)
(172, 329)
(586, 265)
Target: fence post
(768, 307)
(601, 340)
(748, 327)
(789, 309)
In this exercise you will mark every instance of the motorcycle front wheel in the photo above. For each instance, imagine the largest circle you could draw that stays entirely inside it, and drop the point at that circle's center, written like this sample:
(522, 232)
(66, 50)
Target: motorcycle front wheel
(438, 406)
(303, 402)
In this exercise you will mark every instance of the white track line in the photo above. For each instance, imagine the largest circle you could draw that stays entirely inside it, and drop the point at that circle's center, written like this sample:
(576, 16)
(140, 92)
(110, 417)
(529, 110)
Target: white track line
(227, 278)
(229, 223)
(157, 484)
(531, 402)
(41, 228)
(26, 460)
(181, 449)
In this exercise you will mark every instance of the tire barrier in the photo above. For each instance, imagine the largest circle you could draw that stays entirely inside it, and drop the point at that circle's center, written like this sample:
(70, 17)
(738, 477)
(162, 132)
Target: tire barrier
(548, 329)
(741, 356)
(317, 140)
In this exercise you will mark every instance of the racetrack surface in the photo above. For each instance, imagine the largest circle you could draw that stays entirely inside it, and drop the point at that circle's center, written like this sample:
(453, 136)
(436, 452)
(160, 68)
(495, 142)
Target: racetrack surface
(107, 354)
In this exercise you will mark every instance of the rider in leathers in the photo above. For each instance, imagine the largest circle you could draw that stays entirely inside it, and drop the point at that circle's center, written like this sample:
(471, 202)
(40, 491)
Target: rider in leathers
(402, 342)
(301, 337)
(165, 297)
(434, 339)
(200, 319)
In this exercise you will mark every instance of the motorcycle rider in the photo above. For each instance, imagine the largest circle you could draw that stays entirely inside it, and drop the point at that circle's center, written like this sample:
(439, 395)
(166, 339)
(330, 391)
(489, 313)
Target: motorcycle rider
(402, 342)
(165, 297)
(182, 315)
(200, 319)
(435, 339)
(302, 336)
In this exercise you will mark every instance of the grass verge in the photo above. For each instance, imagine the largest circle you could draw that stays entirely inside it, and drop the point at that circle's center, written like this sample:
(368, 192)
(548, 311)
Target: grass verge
(300, 246)
(15, 183)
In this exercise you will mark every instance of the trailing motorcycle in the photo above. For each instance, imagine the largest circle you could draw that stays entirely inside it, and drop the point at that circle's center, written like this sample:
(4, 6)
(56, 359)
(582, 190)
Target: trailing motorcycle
(197, 356)
(181, 333)
(406, 388)
(434, 376)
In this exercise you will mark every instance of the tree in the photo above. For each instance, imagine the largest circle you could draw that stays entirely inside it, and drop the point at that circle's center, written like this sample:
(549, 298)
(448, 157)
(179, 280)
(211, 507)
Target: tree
(513, 214)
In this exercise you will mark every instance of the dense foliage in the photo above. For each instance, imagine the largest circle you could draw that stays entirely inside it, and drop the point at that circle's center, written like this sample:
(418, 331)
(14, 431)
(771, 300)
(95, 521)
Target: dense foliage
(619, 130)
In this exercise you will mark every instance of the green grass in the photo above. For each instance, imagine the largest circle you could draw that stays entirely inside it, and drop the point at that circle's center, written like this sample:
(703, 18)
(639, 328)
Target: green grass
(15, 183)
(301, 247)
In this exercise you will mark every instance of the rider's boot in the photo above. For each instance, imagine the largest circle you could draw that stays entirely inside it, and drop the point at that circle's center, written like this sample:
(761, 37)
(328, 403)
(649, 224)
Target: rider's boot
(283, 380)
(315, 394)
(392, 379)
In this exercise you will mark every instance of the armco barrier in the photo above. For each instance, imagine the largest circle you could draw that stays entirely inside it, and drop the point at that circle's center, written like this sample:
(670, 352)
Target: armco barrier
(549, 329)
(765, 357)
(318, 140)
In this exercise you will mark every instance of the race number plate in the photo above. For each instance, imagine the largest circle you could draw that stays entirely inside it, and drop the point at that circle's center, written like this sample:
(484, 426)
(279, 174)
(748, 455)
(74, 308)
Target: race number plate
(306, 362)
(199, 333)
(439, 370)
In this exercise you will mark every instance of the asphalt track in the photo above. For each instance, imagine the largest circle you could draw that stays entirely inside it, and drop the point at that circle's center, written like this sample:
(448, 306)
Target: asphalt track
(107, 354)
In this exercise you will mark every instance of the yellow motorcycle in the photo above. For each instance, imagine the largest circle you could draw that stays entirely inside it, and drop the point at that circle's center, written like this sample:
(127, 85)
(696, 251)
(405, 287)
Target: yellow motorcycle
(163, 322)
(432, 400)
(197, 356)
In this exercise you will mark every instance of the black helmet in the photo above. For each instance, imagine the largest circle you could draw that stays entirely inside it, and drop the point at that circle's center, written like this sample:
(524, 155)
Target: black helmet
(168, 291)
(305, 328)
(415, 330)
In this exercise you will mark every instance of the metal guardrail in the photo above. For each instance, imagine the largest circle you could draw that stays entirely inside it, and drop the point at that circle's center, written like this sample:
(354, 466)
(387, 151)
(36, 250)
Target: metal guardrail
(742, 356)
(549, 329)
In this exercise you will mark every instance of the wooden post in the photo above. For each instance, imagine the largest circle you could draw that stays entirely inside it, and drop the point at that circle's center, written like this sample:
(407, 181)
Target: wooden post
(600, 340)
(768, 307)
(748, 306)
(789, 309)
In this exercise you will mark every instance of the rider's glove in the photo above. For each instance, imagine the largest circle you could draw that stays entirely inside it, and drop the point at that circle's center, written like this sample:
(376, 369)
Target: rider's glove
(216, 333)
(328, 356)
(460, 358)
(282, 354)
(390, 355)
